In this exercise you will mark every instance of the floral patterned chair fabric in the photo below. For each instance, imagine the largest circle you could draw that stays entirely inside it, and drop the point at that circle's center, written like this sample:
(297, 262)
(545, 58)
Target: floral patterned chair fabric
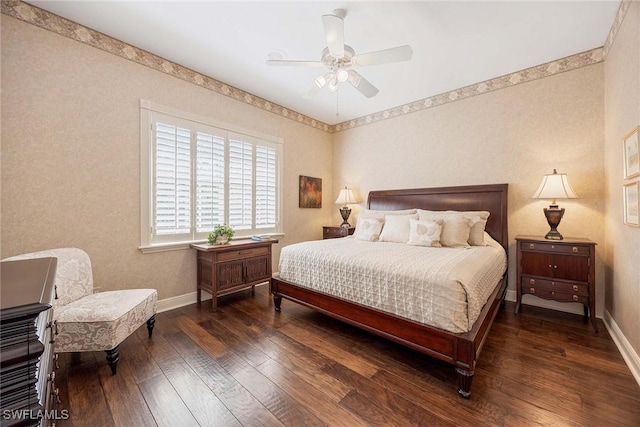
(93, 322)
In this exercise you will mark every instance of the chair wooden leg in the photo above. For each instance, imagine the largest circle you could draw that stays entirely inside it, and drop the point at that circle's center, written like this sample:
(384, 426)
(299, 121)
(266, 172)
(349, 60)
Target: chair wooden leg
(150, 324)
(113, 356)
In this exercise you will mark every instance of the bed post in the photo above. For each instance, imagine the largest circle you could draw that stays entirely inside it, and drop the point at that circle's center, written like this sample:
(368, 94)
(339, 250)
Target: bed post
(273, 289)
(464, 382)
(277, 301)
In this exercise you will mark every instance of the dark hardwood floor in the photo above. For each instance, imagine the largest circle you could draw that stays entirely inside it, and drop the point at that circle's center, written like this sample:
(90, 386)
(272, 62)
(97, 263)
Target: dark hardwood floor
(247, 365)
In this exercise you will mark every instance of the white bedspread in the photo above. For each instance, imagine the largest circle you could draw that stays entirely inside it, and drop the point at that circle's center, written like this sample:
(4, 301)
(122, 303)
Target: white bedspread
(442, 287)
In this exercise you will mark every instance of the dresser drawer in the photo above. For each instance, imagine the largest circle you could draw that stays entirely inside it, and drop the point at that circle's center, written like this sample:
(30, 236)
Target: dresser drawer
(577, 249)
(242, 253)
(577, 288)
(554, 295)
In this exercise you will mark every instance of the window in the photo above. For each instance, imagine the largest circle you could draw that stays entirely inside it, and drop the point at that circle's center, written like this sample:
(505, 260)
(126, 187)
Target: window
(197, 173)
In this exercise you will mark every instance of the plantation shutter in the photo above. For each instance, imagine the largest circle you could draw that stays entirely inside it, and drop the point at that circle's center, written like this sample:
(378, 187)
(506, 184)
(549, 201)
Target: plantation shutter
(172, 179)
(240, 184)
(266, 166)
(198, 173)
(210, 181)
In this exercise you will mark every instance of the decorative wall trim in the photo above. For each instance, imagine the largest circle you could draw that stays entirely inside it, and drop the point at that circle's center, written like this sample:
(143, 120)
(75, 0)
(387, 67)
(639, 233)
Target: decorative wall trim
(64, 27)
(563, 65)
(615, 27)
(75, 31)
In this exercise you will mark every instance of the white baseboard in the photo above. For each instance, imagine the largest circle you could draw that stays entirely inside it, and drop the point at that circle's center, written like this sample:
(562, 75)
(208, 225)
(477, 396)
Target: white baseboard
(180, 301)
(185, 299)
(628, 353)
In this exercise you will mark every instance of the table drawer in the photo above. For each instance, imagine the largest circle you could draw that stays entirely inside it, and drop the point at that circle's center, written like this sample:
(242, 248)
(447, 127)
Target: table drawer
(553, 295)
(579, 288)
(242, 253)
(569, 249)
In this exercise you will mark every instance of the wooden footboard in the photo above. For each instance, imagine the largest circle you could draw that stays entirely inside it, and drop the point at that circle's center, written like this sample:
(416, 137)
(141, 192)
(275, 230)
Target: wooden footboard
(460, 350)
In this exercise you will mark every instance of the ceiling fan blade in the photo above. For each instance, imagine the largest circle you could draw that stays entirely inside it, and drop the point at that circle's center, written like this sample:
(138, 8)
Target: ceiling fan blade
(394, 54)
(363, 85)
(334, 33)
(287, 63)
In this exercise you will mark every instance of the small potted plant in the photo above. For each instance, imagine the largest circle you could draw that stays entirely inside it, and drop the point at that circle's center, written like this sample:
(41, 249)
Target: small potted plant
(221, 234)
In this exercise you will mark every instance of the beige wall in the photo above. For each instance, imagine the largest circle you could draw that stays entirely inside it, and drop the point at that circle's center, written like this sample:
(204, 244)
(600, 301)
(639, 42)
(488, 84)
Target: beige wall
(622, 114)
(71, 156)
(513, 136)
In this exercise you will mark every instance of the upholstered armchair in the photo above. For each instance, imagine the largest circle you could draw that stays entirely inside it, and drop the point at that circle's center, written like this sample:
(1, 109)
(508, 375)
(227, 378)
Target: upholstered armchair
(87, 321)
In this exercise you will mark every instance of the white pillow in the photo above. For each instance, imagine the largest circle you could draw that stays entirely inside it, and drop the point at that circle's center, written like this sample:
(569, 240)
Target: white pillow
(425, 233)
(396, 228)
(456, 226)
(368, 229)
(368, 213)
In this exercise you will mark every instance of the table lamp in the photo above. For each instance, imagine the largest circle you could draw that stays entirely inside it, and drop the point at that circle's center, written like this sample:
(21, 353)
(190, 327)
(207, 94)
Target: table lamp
(345, 197)
(554, 186)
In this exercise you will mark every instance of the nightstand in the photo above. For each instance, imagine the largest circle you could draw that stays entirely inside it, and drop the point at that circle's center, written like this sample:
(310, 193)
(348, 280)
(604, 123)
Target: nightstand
(330, 232)
(558, 270)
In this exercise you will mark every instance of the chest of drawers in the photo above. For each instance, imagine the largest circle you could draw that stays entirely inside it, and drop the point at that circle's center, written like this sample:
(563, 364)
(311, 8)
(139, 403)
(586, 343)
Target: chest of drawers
(28, 393)
(562, 271)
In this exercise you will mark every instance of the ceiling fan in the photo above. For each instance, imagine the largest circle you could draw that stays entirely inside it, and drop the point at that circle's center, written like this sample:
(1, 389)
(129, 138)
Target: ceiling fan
(338, 58)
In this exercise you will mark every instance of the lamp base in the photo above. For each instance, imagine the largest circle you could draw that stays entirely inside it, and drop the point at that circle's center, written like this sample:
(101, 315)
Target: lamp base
(554, 215)
(345, 212)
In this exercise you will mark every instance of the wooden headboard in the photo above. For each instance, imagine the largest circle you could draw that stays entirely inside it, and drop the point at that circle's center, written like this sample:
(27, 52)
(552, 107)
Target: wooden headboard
(492, 198)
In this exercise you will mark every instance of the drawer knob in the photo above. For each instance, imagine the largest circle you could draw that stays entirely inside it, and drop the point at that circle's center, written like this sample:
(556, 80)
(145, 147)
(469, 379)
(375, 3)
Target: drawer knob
(532, 245)
(553, 293)
(532, 290)
(574, 249)
(575, 288)
(575, 297)
(532, 281)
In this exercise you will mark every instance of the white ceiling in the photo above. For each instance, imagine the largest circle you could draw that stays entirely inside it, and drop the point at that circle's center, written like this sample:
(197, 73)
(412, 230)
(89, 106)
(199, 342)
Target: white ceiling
(454, 43)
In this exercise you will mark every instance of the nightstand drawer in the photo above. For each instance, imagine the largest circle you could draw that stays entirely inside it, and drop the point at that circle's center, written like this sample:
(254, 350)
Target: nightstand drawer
(242, 253)
(554, 295)
(336, 232)
(577, 249)
(577, 288)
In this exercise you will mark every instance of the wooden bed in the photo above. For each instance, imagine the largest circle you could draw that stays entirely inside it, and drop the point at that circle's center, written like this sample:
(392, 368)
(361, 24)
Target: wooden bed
(461, 349)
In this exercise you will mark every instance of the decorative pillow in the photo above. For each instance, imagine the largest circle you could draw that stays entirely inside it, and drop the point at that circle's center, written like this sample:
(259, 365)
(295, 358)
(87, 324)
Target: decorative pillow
(368, 213)
(456, 227)
(396, 228)
(476, 235)
(425, 233)
(368, 229)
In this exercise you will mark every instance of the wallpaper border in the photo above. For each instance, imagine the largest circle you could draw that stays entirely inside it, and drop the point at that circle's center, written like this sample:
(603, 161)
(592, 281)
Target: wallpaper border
(64, 27)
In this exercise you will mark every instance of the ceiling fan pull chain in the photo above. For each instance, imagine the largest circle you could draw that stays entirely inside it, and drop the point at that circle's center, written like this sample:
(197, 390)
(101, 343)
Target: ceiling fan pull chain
(337, 112)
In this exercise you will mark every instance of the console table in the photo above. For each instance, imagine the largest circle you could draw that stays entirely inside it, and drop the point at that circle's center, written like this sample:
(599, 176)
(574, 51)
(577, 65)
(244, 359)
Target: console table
(231, 267)
(28, 394)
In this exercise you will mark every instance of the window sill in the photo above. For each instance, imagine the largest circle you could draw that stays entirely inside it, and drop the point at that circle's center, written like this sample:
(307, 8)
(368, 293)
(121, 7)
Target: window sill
(179, 246)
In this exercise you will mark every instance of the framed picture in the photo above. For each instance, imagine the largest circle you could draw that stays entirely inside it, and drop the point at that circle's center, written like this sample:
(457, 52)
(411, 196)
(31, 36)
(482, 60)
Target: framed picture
(631, 208)
(310, 192)
(631, 155)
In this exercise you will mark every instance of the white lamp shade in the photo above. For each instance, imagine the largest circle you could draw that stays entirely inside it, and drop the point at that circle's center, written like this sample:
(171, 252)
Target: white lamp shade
(555, 186)
(345, 197)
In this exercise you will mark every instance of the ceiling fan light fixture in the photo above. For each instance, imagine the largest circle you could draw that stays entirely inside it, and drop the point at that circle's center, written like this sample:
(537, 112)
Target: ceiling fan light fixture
(321, 81)
(342, 75)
